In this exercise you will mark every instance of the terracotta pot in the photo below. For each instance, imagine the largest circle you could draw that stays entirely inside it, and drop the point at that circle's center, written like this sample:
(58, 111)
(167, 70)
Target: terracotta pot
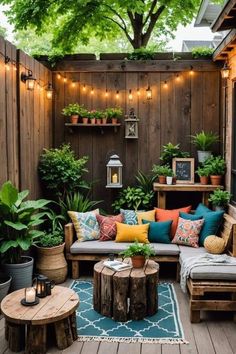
(85, 120)
(104, 120)
(162, 179)
(204, 179)
(216, 180)
(138, 261)
(114, 120)
(93, 121)
(98, 121)
(74, 119)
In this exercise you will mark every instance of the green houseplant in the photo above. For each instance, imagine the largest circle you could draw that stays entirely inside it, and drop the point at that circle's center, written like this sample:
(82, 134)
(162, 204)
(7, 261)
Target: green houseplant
(217, 167)
(204, 142)
(203, 173)
(138, 252)
(73, 110)
(133, 198)
(220, 199)
(114, 114)
(170, 151)
(18, 219)
(162, 171)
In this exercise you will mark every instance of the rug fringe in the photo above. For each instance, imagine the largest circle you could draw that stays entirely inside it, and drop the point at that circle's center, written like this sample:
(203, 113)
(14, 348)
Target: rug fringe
(132, 340)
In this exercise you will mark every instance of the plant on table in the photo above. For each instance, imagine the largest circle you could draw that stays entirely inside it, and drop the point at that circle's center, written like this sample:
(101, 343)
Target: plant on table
(162, 171)
(217, 167)
(84, 115)
(203, 173)
(220, 199)
(133, 198)
(204, 142)
(171, 151)
(114, 114)
(138, 252)
(73, 110)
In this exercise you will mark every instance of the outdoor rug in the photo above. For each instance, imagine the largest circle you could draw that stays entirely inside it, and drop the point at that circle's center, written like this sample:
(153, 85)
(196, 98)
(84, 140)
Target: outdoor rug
(164, 327)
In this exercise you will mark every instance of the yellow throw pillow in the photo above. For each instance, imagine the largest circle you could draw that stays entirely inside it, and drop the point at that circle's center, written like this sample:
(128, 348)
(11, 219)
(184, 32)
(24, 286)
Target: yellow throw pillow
(214, 244)
(146, 215)
(130, 233)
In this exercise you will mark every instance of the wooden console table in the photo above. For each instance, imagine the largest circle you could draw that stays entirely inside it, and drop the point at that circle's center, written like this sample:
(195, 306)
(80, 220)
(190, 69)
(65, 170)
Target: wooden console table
(162, 189)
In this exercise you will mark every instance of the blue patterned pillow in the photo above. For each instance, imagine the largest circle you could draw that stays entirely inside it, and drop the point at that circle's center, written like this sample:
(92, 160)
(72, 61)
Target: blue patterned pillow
(86, 225)
(129, 216)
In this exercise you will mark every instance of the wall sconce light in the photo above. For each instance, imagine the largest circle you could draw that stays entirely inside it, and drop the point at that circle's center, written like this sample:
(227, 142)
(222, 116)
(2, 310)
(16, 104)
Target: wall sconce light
(114, 172)
(149, 93)
(29, 80)
(225, 71)
(49, 91)
(7, 65)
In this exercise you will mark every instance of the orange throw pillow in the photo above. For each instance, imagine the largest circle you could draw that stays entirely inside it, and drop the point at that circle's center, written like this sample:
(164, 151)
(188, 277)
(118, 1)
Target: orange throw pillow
(165, 214)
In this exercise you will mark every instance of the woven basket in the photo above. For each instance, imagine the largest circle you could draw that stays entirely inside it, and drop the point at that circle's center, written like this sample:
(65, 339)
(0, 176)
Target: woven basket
(214, 244)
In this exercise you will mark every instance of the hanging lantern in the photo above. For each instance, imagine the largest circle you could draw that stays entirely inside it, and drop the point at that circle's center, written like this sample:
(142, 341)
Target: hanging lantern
(49, 91)
(149, 93)
(131, 125)
(29, 80)
(114, 172)
(225, 71)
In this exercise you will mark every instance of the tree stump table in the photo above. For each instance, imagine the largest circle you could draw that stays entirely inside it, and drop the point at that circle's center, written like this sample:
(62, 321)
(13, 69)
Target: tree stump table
(27, 326)
(127, 294)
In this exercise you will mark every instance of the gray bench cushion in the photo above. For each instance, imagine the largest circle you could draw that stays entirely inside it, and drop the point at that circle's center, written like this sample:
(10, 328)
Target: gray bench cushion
(186, 252)
(99, 247)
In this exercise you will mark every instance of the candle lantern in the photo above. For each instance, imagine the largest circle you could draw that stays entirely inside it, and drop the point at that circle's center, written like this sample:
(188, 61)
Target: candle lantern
(49, 91)
(114, 172)
(225, 71)
(41, 283)
(131, 125)
(149, 93)
(29, 80)
(30, 298)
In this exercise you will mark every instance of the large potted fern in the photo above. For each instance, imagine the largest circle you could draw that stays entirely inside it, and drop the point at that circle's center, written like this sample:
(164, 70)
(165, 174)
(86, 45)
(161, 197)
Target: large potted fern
(204, 142)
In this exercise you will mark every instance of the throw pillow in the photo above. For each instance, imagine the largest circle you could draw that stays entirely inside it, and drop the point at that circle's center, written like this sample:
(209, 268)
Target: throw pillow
(201, 209)
(129, 216)
(212, 222)
(214, 244)
(187, 216)
(165, 215)
(130, 233)
(85, 224)
(187, 232)
(146, 215)
(159, 231)
(108, 226)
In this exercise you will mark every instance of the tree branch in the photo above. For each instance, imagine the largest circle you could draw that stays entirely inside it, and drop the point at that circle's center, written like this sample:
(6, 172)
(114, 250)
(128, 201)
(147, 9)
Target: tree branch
(124, 29)
(150, 12)
(117, 14)
(153, 19)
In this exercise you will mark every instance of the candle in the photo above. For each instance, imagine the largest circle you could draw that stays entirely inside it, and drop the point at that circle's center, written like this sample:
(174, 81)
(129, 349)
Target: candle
(114, 178)
(30, 295)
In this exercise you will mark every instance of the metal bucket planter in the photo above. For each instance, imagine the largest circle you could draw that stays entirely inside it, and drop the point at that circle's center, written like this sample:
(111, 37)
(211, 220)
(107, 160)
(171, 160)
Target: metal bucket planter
(203, 155)
(21, 273)
(5, 282)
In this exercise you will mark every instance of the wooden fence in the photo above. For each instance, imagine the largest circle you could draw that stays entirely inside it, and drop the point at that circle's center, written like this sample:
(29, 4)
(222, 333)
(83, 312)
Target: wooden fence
(185, 100)
(25, 118)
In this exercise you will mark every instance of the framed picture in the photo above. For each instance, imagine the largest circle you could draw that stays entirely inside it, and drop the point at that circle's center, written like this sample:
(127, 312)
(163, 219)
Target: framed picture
(183, 169)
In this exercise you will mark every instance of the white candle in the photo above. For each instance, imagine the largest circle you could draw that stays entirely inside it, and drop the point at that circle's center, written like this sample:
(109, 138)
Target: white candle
(30, 295)
(114, 178)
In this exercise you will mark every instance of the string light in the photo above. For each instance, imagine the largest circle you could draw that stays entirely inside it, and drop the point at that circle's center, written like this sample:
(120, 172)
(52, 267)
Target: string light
(7, 63)
(117, 94)
(59, 76)
(138, 92)
(130, 96)
(177, 77)
(84, 88)
(165, 85)
(73, 84)
(106, 93)
(149, 93)
(65, 80)
(92, 91)
(191, 70)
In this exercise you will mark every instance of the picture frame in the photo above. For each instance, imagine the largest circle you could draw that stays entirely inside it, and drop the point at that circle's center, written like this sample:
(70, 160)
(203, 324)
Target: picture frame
(183, 168)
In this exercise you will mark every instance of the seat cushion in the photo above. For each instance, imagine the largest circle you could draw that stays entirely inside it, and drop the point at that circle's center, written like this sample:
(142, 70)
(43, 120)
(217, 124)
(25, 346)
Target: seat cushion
(186, 252)
(97, 247)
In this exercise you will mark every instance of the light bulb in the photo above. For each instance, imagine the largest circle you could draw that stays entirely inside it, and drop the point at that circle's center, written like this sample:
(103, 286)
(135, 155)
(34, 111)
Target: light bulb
(117, 95)
(65, 79)
(84, 88)
(130, 95)
(138, 92)
(106, 93)
(165, 85)
(92, 91)
(59, 76)
(73, 84)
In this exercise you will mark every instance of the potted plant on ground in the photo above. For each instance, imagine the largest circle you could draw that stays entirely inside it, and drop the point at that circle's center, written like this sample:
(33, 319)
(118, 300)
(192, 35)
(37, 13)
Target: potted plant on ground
(114, 114)
(5, 282)
(138, 252)
(73, 111)
(203, 173)
(18, 219)
(216, 166)
(204, 142)
(220, 199)
(162, 171)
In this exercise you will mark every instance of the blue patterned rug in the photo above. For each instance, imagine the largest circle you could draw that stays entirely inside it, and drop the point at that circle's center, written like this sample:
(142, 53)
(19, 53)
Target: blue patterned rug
(164, 327)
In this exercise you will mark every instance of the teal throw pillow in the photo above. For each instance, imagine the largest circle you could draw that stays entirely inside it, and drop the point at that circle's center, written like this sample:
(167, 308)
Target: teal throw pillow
(159, 231)
(129, 216)
(187, 216)
(212, 222)
(202, 209)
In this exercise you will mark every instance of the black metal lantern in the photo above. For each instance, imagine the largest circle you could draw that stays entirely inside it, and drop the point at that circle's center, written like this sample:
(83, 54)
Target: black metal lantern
(41, 289)
(29, 80)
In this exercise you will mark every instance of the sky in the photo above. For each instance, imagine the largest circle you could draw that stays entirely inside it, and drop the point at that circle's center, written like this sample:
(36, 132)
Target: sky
(183, 33)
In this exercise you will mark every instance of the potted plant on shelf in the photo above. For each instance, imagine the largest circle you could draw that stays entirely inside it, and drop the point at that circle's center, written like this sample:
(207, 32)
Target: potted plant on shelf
(204, 142)
(18, 219)
(169, 152)
(98, 116)
(169, 177)
(91, 117)
(220, 199)
(138, 252)
(216, 166)
(84, 115)
(50, 259)
(104, 117)
(203, 173)
(162, 171)
(114, 114)
(73, 111)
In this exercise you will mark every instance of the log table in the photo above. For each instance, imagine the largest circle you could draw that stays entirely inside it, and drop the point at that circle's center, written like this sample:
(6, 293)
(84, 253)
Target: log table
(27, 326)
(127, 294)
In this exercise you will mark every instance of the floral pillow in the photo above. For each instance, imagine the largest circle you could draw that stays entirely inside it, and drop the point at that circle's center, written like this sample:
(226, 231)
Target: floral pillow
(130, 217)
(108, 226)
(187, 232)
(85, 224)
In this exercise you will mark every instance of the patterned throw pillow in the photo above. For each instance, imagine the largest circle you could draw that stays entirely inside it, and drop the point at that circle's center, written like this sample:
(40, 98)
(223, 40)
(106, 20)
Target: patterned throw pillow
(129, 216)
(187, 232)
(86, 225)
(108, 226)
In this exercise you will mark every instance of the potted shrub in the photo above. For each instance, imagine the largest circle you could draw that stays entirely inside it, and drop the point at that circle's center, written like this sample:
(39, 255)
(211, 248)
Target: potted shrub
(114, 114)
(169, 152)
(50, 260)
(84, 115)
(138, 252)
(18, 219)
(91, 117)
(216, 166)
(98, 117)
(5, 282)
(203, 173)
(73, 111)
(220, 199)
(104, 117)
(204, 142)
(162, 171)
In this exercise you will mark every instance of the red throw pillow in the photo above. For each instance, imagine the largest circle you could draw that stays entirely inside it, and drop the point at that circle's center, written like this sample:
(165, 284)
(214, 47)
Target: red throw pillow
(108, 226)
(165, 215)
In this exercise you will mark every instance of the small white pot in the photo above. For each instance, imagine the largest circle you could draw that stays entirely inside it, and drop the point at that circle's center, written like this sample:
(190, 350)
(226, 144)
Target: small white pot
(169, 180)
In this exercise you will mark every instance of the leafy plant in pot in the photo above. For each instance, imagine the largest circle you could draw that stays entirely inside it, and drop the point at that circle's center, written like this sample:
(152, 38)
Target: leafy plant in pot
(114, 114)
(162, 171)
(169, 152)
(73, 110)
(5, 282)
(204, 142)
(138, 252)
(203, 173)
(216, 166)
(18, 219)
(220, 199)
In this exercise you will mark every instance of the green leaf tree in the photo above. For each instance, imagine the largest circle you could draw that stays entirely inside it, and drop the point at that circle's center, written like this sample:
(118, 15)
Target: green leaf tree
(75, 20)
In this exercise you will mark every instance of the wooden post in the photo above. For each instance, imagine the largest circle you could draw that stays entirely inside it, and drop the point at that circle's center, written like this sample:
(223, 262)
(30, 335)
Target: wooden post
(36, 340)
(63, 332)
(75, 269)
(73, 326)
(138, 298)
(106, 292)
(151, 289)
(15, 335)
(120, 300)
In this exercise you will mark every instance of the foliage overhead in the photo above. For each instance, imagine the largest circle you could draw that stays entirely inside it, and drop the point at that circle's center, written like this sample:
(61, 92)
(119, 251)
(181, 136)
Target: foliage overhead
(199, 52)
(78, 20)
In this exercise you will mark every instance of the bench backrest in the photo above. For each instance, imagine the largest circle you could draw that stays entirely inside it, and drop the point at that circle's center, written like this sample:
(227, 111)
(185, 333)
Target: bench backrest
(228, 233)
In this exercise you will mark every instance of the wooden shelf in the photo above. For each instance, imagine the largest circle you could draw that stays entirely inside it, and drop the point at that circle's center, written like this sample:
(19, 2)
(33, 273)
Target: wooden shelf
(89, 125)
